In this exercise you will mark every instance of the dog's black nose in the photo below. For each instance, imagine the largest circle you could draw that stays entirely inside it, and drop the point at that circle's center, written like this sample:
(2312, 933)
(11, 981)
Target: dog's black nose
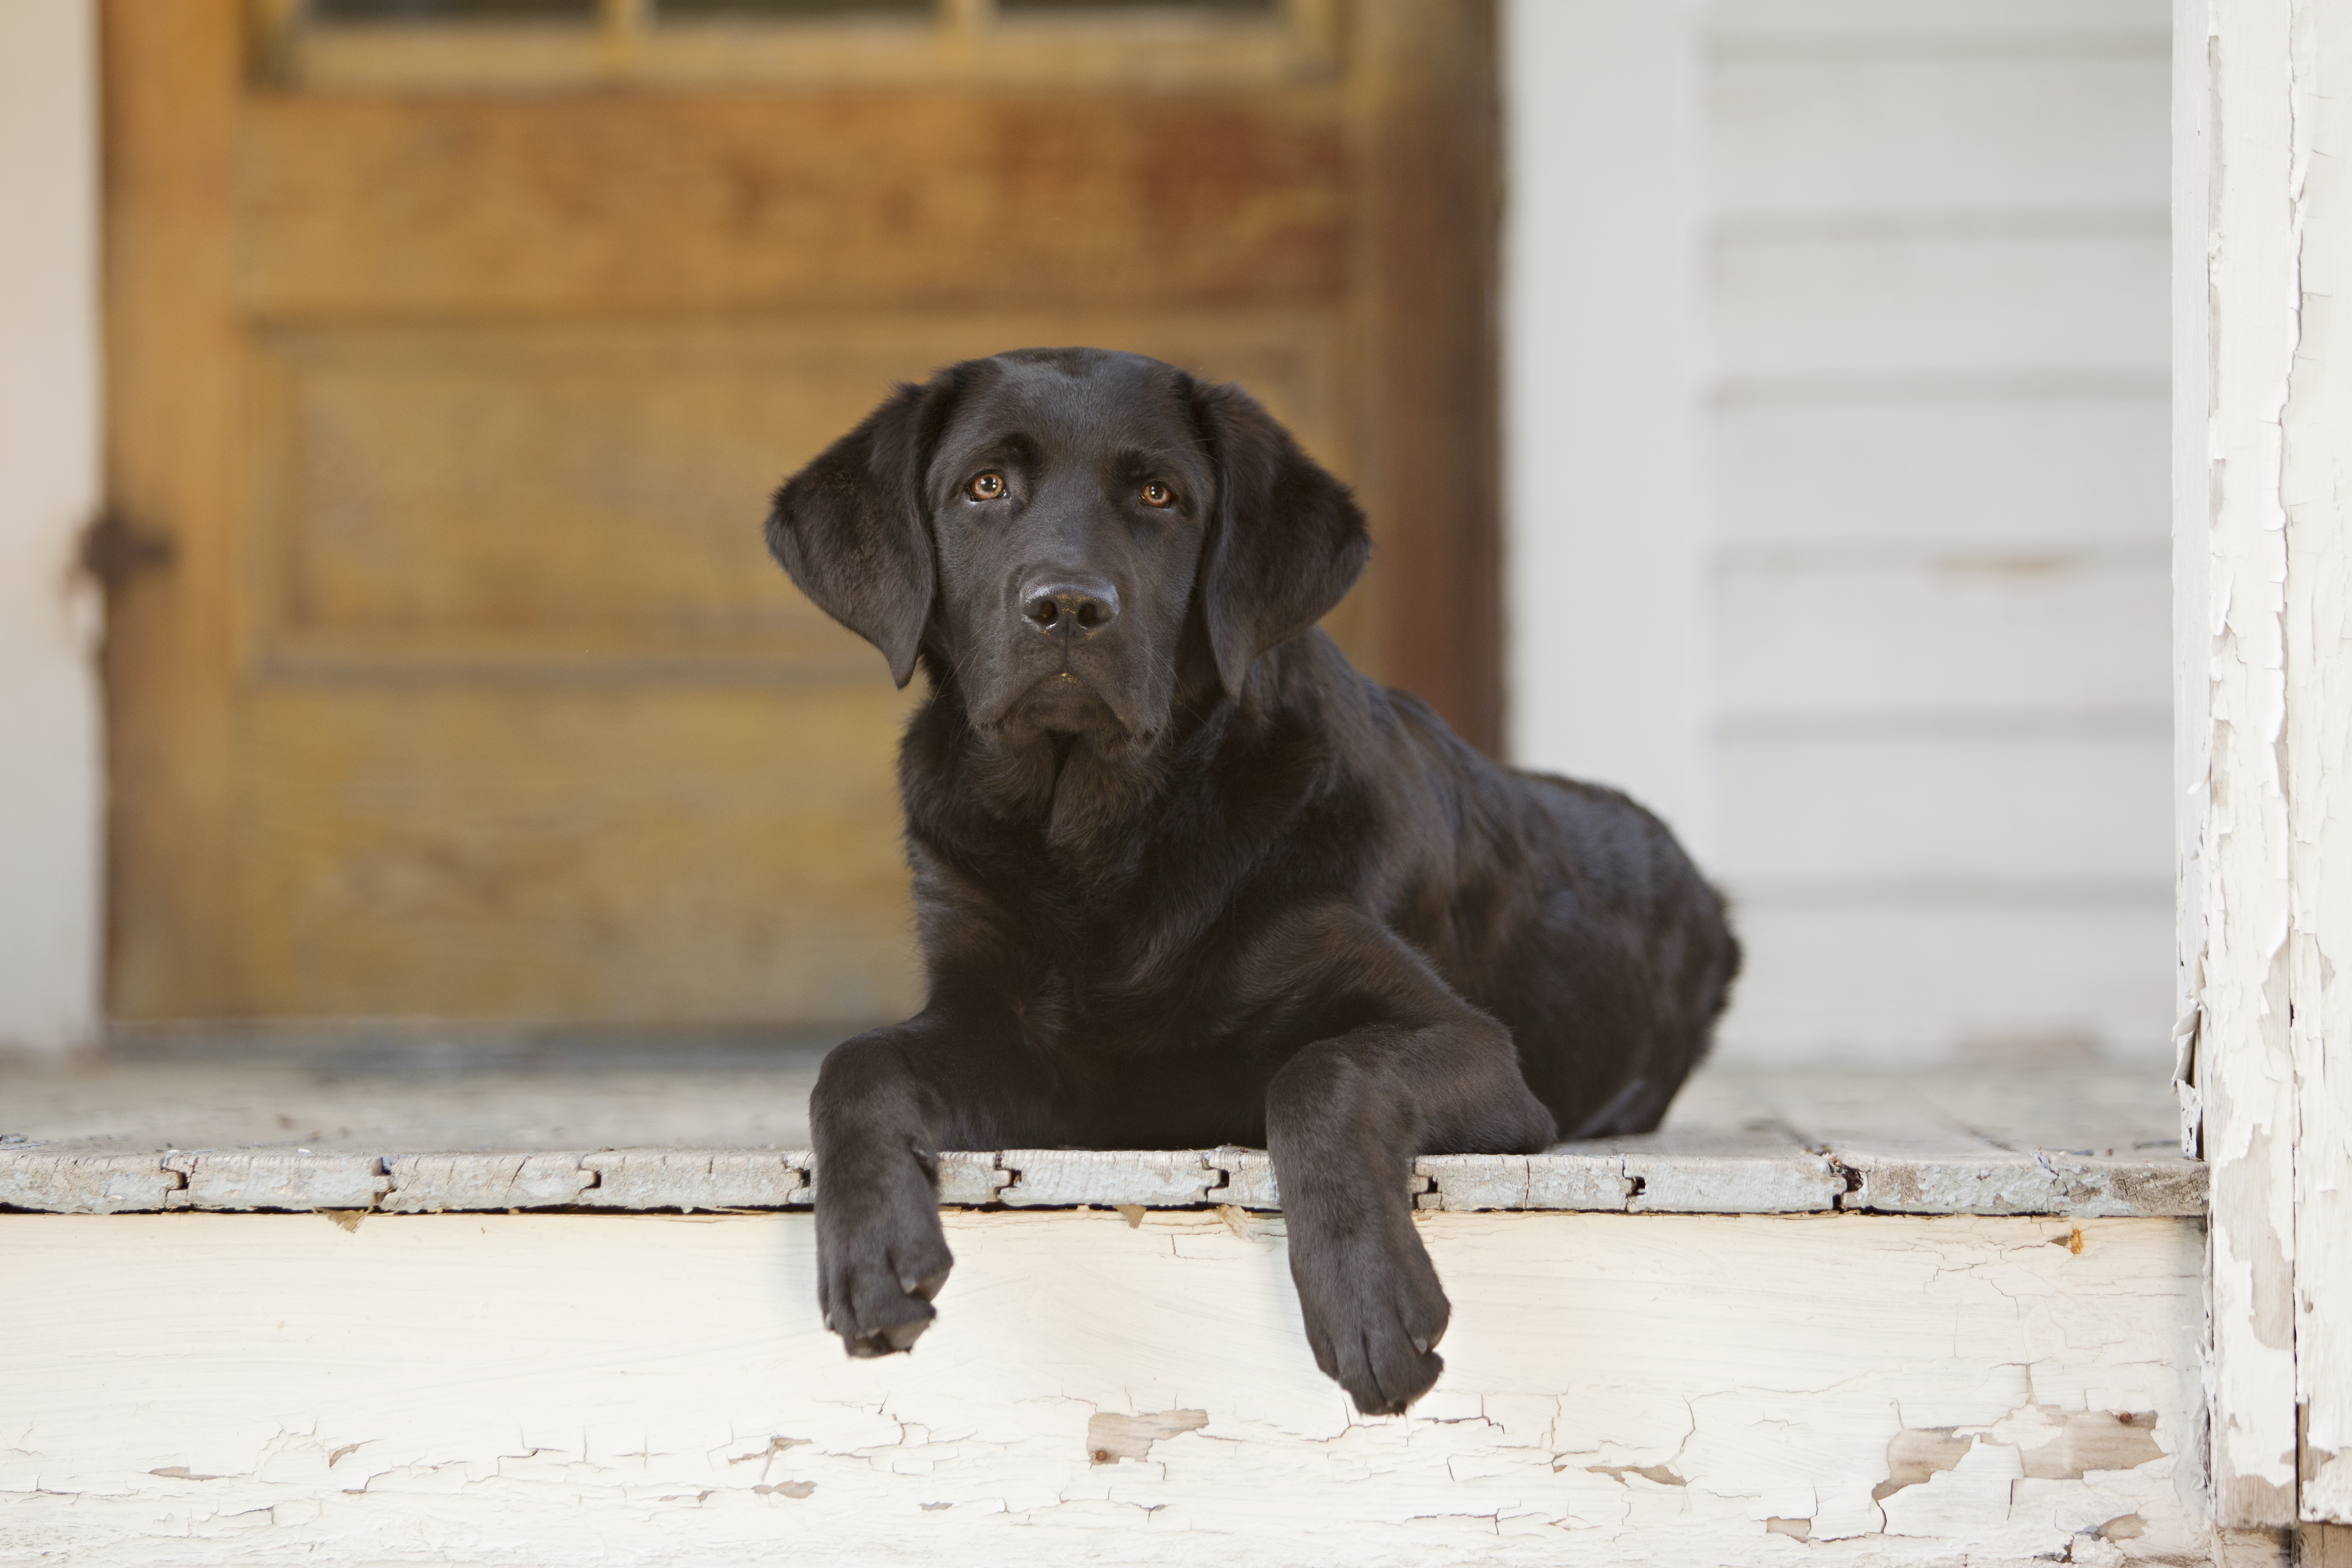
(1070, 609)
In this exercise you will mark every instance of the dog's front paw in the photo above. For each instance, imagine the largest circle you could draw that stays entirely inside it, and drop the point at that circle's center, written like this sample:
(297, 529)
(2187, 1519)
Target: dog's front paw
(880, 1259)
(1374, 1315)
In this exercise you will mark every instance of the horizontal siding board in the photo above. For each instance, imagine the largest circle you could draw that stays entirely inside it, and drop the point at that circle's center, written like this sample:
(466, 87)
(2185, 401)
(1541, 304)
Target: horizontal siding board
(2047, 134)
(1986, 633)
(1913, 306)
(2019, 26)
(2040, 473)
(2034, 809)
(1897, 982)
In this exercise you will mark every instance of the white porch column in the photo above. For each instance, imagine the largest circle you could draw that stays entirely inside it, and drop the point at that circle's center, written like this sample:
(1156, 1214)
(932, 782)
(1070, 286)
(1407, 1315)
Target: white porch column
(2263, 129)
(51, 791)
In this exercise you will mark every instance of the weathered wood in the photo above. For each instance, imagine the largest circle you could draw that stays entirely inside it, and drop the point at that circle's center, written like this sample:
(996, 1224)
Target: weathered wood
(1664, 1390)
(1427, 193)
(2314, 485)
(2023, 1184)
(703, 200)
(85, 1183)
(167, 93)
(1634, 1177)
(470, 693)
(1058, 1178)
(962, 44)
(277, 1179)
(692, 1179)
(2243, 85)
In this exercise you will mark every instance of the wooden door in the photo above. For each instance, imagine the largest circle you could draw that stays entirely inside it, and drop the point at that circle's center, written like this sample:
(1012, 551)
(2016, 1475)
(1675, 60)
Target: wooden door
(452, 359)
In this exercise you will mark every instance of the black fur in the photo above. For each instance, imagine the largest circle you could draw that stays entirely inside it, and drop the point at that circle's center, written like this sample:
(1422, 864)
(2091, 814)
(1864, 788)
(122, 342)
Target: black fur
(1186, 879)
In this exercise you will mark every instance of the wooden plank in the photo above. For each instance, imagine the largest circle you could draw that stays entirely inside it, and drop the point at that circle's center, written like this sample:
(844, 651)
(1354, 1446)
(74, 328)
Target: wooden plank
(473, 204)
(2314, 475)
(2047, 135)
(1666, 1390)
(47, 1183)
(2037, 1183)
(1935, 28)
(1818, 308)
(631, 850)
(2245, 1066)
(2030, 810)
(1151, 50)
(1900, 976)
(1059, 1178)
(1991, 634)
(276, 1178)
(1426, 197)
(584, 495)
(1990, 474)
(692, 1179)
(1949, 1172)
(170, 82)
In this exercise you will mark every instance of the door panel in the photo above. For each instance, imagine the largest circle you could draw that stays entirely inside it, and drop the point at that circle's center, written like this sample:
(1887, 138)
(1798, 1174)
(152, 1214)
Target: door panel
(587, 493)
(608, 201)
(470, 690)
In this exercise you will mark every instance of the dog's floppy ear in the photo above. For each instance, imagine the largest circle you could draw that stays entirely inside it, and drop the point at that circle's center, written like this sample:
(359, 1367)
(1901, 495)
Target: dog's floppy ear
(850, 527)
(1287, 540)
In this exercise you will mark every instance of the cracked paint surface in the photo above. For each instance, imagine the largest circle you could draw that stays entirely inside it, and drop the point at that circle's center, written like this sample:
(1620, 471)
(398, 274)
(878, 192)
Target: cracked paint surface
(2266, 235)
(1662, 1389)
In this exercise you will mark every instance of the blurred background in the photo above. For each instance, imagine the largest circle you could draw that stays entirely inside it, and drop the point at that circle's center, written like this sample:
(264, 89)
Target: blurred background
(1760, 406)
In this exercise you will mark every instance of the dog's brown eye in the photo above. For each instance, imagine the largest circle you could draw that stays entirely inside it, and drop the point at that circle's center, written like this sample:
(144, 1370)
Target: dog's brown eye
(1156, 494)
(986, 487)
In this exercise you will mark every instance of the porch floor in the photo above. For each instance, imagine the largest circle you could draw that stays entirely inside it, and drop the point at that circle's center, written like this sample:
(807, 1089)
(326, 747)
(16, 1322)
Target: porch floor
(262, 1123)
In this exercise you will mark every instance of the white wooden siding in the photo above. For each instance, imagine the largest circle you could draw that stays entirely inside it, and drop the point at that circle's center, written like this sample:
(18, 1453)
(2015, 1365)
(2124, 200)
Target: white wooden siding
(1942, 474)
(1939, 704)
(1920, 976)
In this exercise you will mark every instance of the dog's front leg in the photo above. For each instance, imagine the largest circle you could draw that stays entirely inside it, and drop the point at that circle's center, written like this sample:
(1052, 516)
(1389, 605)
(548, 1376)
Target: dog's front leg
(884, 1102)
(1345, 1118)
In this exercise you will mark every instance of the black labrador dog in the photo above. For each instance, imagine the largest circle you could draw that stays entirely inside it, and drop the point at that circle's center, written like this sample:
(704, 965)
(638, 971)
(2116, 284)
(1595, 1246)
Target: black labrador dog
(1184, 876)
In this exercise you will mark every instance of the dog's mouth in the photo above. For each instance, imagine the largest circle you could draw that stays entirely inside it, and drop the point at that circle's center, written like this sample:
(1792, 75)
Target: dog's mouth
(1067, 702)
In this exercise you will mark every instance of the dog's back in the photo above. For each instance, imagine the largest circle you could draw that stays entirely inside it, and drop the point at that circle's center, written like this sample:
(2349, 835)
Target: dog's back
(1575, 917)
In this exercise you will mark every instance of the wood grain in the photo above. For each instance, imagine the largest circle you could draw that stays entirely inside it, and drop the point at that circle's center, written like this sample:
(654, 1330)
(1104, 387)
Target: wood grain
(711, 200)
(170, 82)
(471, 693)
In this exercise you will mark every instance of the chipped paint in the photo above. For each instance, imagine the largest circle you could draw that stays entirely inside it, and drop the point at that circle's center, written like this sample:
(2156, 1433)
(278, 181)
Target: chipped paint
(1619, 1389)
(1111, 1437)
(2316, 486)
(1633, 1179)
(2266, 1047)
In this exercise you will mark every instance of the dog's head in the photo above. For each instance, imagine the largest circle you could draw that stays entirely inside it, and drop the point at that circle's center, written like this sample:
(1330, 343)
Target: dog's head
(1064, 531)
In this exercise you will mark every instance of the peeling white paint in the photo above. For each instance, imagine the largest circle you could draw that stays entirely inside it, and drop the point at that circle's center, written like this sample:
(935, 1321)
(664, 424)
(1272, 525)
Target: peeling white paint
(1670, 1390)
(1654, 1174)
(2267, 893)
(2317, 467)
